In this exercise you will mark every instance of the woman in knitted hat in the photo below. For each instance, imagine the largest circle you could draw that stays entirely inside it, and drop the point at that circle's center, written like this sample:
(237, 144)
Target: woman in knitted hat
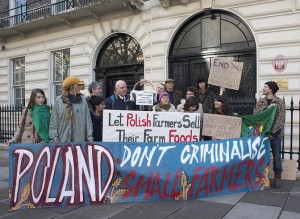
(70, 119)
(164, 104)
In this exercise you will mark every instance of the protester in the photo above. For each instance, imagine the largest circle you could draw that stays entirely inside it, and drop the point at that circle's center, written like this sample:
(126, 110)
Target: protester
(190, 92)
(70, 119)
(119, 100)
(206, 96)
(34, 125)
(97, 104)
(160, 87)
(270, 99)
(94, 90)
(175, 95)
(164, 104)
(221, 106)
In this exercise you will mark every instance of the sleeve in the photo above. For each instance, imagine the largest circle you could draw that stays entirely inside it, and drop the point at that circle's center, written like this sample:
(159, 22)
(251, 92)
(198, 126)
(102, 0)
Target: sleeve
(17, 133)
(108, 103)
(53, 126)
(280, 117)
(88, 124)
(260, 106)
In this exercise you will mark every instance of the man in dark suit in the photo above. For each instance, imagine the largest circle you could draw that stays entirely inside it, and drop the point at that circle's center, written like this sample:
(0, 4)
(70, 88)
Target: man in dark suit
(119, 101)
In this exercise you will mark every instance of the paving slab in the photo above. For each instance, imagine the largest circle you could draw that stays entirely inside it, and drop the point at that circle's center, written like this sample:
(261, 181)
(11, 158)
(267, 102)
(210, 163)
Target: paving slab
(93, 211)
(125, 204)
(3, 184)
(292, 204)
(4, 209)
(31, 214)
(270, 198)
(253, 211)
(289, 215)
(138, 211)
(4, 161)
(4, 192)
(295, 190)
(170, 206)
(4, 172)
(203, 209)
(231, 199)
(63, 210)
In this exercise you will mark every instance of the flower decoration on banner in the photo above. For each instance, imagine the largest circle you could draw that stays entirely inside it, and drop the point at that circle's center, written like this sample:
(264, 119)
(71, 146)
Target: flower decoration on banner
(185, 187)
(264, 182)
(119, 191)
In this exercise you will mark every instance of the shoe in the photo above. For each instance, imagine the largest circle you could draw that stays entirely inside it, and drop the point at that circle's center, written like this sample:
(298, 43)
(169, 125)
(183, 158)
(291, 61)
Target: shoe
(277, 183)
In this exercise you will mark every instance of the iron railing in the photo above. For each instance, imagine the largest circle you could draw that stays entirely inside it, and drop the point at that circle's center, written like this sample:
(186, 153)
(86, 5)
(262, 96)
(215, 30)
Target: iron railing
(41, 9)
(10, 117)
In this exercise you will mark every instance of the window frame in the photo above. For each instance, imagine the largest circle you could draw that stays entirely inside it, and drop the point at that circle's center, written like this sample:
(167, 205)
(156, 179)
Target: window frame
(21, 79)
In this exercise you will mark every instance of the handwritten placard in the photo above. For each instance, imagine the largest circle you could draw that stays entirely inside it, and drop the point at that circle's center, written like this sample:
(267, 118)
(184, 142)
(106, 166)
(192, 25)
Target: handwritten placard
(143, 126)
(143, 97)
(221, 127)
(225, 73)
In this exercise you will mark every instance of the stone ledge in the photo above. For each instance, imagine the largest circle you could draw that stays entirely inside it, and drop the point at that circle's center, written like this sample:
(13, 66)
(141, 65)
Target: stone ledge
(3, 146)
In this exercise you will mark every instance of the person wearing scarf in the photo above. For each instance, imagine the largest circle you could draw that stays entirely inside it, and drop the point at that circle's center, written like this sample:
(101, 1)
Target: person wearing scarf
(164, 104)
(34, 123)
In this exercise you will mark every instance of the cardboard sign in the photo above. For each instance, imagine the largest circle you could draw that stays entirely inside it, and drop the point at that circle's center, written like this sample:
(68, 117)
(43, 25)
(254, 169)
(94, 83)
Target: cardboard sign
(225, 73)
(220, 127)
(289, 168)
(145, 126)
(82, 173)
(143, 97)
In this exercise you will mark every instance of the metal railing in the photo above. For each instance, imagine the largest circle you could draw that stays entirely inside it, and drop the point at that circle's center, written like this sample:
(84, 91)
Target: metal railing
(10, 117)
(41, 9)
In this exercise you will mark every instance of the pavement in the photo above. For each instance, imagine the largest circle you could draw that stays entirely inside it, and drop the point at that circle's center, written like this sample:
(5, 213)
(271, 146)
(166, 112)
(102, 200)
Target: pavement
(283, 203)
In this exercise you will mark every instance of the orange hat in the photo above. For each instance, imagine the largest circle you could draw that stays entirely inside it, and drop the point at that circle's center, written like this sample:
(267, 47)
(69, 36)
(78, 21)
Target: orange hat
(71, 80)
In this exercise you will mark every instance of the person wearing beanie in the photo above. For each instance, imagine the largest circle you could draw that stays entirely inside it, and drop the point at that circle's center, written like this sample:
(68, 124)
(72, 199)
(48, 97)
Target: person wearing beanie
(269, 90)
(70, 118)
(205, 96)
(175, 95)
(164, 104)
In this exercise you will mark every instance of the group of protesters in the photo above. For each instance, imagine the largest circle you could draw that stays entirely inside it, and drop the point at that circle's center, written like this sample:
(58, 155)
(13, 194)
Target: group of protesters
(76, 118)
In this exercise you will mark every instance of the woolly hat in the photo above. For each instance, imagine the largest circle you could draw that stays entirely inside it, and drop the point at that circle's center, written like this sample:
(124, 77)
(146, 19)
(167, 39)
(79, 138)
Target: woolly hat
(163, 94)
(273, 86)
(71, 80)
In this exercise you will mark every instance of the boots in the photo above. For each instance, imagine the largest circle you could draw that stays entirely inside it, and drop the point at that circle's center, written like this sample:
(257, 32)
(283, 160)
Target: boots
(277, 180)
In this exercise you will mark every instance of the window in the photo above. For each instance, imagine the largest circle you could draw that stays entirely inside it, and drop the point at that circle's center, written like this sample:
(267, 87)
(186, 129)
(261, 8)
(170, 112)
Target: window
(61, 69)
(19, 80)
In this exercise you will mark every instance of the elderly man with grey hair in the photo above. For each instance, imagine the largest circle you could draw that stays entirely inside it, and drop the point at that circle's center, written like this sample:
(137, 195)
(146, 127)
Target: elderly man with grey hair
(119, 100)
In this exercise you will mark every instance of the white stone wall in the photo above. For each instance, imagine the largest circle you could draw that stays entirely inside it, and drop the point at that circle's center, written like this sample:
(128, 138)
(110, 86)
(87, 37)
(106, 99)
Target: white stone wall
(275, 25)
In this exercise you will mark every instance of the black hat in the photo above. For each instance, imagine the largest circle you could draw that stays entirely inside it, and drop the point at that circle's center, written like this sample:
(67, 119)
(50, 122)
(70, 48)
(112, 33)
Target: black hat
(202, 80)
(273, 86)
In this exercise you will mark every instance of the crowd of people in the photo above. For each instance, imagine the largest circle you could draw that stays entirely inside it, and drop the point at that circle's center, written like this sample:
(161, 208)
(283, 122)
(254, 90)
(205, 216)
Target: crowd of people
(76, 118)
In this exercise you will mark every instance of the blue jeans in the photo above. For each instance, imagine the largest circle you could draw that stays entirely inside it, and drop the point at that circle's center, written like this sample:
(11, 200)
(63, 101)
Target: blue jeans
(276, 151)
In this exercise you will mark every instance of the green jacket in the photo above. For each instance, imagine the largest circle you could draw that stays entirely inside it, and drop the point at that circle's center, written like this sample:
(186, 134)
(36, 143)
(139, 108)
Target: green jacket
(60, 128)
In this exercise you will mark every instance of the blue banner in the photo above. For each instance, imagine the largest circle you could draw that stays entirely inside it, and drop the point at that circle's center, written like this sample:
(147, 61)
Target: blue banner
(91, 173)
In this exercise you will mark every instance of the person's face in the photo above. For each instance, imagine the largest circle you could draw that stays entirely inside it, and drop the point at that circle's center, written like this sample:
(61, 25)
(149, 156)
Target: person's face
(97, 91)
(101, 106)
(160, 88)
(170, 85)
(165, 100)
(189, 94)
(192, 108)
(201, 85)
(39, 99)
(266, 90)
(121, 89)
(218, 104)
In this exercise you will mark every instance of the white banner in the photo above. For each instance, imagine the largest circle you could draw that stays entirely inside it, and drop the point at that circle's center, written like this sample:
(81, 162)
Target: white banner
(147, 126)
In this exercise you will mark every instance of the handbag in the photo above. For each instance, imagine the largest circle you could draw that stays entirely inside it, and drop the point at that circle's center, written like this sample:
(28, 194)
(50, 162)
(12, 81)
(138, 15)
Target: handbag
(22, 126)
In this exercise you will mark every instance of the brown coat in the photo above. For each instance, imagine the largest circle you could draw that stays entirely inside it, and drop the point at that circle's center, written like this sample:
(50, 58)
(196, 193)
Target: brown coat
(28, 135)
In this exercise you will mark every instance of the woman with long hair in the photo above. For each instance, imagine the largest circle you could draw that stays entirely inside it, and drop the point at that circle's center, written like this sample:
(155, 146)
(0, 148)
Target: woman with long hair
(70, 119)
(221, 106)
(34, 124)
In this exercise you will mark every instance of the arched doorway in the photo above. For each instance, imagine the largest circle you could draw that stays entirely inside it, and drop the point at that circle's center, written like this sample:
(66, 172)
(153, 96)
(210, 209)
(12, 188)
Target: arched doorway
(214, 33)
(120, 58)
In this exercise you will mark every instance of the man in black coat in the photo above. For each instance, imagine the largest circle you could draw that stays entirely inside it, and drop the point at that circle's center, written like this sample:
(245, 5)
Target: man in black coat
(119, 101)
